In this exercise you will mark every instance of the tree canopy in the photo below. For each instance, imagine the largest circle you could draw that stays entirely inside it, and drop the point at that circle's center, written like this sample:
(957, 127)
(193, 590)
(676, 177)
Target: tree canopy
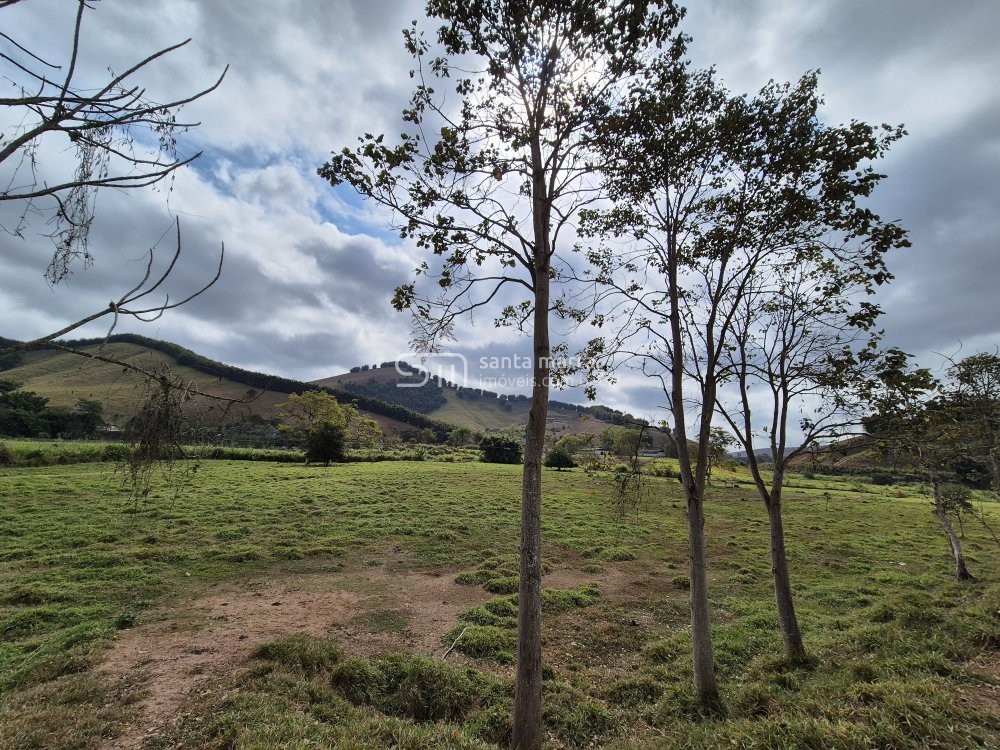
(317, 421)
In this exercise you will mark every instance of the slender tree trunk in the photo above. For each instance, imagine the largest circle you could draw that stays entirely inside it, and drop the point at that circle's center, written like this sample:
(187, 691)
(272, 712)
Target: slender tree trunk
(795, 651)
(527, 718)
(961, 572)
(703, 657)
(701, 627)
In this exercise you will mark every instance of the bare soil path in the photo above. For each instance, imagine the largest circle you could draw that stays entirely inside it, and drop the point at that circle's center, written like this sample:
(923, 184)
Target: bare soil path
(196, 646)
(191, 650)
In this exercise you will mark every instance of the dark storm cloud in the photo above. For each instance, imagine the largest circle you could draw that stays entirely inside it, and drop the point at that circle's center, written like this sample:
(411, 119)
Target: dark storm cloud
(864, 35)
(295, 354)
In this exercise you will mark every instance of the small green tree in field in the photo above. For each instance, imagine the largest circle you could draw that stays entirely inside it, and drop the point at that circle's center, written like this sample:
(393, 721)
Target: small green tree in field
(623, 441)
(319, 422)
(719, 441)
(364, 432)
(325, 442)
(498, 449)
(559, 458)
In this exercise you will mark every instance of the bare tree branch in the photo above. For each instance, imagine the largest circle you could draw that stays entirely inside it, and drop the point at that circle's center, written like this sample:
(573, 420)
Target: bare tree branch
(107, 126)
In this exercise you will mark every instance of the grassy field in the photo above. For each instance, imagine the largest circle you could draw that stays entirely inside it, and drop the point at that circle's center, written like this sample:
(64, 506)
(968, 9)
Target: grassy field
(904, 656)
(34, 453)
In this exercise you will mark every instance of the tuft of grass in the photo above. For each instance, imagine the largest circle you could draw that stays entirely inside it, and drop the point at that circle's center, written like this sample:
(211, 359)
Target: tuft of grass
(415, 687)
(498, 612)
(490, 642)
(301, 652)
(577, 719)
(488, 631)
(561, 600)
(617, 554)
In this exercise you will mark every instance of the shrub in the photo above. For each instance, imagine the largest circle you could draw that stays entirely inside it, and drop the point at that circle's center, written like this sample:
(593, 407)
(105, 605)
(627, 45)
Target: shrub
(6, 457)
(498, 449)
(559, 458)
(883, 478)
(665, 470)
(326, 442)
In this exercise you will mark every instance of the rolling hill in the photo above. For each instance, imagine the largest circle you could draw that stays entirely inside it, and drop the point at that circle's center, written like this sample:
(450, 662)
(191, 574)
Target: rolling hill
(464, 407)
(64, 378)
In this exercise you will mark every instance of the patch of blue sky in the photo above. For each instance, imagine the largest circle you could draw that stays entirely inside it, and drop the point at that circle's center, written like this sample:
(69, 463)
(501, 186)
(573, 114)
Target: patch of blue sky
(353, 214)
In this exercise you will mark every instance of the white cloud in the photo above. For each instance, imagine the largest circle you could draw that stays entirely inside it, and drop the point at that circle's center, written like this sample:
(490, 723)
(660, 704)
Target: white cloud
(310, 270)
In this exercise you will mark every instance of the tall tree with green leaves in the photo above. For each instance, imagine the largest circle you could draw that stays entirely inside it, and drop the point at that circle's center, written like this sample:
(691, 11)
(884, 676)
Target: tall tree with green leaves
(489, 181)
(936, 427)
(668, 126)
(802, 354)
(974, 392)
(319, 422)
(751, 261)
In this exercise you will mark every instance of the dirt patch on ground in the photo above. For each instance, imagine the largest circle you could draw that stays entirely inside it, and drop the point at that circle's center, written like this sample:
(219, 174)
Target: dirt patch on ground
(189, 652)
(985, 695)
(620, 583)
(198, 645)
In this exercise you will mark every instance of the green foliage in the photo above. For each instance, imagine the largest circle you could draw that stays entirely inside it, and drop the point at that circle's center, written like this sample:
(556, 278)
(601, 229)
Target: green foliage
(317, 420)
(325, 443)
(661, 469)
(26, 414)
(883, 478)
(559, 458)
(423, 399)
(572, 444)
(623, 441)
(956, 497)
(498, 449)
(462, 436)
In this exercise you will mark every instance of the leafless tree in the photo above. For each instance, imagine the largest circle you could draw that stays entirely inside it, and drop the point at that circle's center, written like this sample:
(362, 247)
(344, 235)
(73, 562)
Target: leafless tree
(105, 125)
(122, 138)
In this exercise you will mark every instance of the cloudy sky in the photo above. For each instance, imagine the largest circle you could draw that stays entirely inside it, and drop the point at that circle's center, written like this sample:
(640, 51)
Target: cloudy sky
(309, 271)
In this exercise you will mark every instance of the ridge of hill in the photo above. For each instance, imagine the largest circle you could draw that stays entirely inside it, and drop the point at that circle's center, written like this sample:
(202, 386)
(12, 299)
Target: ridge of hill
(64, 378)
(473, 408)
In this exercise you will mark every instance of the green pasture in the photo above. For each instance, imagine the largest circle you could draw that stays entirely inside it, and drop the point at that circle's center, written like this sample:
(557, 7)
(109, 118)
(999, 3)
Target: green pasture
(898, 645)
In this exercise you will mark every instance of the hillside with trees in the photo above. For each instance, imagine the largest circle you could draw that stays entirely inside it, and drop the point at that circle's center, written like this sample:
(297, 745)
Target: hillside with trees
(62, 378)
(474, 408)
(439, 406)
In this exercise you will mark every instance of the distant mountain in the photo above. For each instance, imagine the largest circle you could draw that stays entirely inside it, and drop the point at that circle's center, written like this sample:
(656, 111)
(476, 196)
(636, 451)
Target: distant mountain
(64, 378)
(467, 407)
(437, 406)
